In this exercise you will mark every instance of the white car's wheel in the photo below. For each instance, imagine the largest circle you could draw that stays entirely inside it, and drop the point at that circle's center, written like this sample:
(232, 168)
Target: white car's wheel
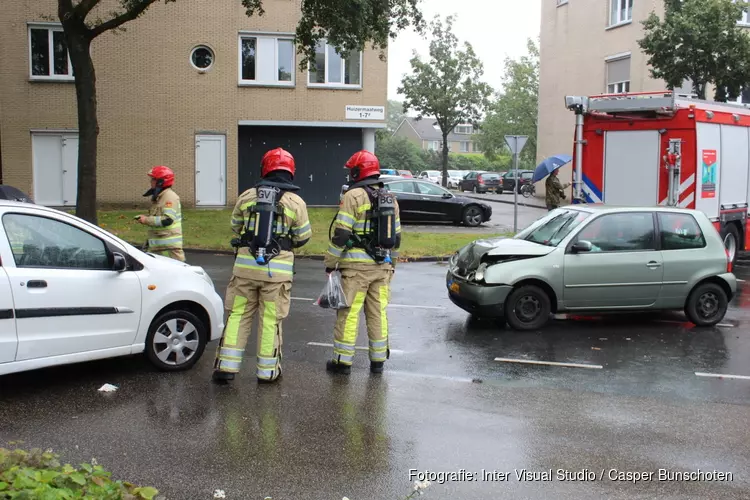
(176, 340)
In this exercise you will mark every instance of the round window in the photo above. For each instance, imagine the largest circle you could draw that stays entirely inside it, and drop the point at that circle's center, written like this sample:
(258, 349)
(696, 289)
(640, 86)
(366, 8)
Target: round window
(202, 57)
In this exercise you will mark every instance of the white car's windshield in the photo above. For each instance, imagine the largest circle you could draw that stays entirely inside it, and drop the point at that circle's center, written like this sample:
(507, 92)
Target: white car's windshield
(554, 227)
(455, 173)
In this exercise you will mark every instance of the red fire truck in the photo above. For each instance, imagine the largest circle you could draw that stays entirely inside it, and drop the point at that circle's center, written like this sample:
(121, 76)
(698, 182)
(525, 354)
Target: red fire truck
(650, 148)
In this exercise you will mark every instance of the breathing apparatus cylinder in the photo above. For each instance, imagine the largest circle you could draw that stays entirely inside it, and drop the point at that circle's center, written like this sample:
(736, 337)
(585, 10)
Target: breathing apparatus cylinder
(265, 217)
(386, 223)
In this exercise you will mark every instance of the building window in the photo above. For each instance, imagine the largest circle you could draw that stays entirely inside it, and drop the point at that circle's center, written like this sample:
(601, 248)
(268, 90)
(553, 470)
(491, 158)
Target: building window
(266, 60)
(465, 148)
(202, 58)
(333, 70)
(464, 129)
(433, 145)
(745, 19)
(48, 54)
(618, 76)
(620, 11)
(561, 2)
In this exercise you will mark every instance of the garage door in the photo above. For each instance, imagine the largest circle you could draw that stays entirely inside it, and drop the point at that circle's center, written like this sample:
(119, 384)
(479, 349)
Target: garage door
(319, 154)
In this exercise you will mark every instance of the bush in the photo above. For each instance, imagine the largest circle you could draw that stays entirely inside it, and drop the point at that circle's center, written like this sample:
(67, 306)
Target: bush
(39, 475)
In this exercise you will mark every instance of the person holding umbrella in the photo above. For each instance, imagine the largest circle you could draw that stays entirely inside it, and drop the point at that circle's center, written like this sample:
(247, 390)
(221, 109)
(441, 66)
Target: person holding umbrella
(555, 191)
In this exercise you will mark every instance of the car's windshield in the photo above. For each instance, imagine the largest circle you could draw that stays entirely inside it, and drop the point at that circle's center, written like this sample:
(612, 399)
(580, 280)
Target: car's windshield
(554, 227)
(455, 173)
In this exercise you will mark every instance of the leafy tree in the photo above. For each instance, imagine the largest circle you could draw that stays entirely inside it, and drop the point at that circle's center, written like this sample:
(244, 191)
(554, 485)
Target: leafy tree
(514, 111)
(347, 26)
(400, 153)
(448, 86)
(700, 41)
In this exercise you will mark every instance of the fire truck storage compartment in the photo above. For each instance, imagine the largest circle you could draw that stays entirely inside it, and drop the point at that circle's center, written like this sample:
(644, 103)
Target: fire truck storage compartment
(734, 166)
(631, 167)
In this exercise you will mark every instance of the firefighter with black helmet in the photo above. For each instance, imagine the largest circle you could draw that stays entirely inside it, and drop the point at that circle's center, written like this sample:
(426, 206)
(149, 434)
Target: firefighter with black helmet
(270, 221)
(364, 245)
(165, 217)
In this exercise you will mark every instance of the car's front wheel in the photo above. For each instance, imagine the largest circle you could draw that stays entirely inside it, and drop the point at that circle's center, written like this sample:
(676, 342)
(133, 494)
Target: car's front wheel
(527, 308)
(176, 340)
(706, 305)
(472, 216)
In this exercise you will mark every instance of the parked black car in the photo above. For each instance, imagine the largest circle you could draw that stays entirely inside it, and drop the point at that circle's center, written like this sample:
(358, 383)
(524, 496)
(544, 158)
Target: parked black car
(524, 177)
(481, 182)
(424, 201)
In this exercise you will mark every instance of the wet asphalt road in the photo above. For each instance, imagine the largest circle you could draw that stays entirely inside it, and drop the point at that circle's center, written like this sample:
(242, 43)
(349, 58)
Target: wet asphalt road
(443, 405)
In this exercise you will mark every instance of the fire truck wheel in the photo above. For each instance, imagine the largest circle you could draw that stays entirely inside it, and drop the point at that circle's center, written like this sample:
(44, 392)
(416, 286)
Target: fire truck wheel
(731, 238)
(527, 308)
(706, 305)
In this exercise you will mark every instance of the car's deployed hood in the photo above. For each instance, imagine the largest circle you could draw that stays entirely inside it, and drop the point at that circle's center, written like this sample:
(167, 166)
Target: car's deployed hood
(470, 256)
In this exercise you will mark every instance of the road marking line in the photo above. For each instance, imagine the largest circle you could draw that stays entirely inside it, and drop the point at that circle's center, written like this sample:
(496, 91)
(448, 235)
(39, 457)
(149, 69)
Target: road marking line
(439, 308)
(675, 322)
(721, 375)
(550, 363)
(359, 348)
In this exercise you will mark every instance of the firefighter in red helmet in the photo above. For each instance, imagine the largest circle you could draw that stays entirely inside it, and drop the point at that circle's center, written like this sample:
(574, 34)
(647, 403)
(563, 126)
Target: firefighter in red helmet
(363, 246)
(270, 221)
(165, 217)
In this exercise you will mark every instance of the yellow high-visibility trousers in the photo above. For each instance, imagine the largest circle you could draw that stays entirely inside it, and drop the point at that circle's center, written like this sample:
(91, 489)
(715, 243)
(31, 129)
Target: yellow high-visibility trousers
(367, 291)
(244, 299)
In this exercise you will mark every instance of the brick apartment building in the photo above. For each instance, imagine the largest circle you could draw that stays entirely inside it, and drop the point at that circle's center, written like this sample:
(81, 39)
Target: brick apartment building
(197, 86)
(591, 47)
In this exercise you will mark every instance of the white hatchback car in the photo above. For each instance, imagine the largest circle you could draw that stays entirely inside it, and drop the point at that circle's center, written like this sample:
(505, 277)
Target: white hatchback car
(72, 292)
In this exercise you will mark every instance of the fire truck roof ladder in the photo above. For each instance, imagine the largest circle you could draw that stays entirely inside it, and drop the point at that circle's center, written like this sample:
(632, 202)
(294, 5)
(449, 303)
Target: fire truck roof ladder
(657, 102)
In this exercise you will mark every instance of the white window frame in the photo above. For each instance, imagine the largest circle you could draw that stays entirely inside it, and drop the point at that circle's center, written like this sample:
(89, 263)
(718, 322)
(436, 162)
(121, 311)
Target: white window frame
(745, 21)
(628, 12)
(433, 145)
(463, 127)
(562, 2)
(336, 85)
(51, 28)
(465, 147)
(620, 86)
(266, 83)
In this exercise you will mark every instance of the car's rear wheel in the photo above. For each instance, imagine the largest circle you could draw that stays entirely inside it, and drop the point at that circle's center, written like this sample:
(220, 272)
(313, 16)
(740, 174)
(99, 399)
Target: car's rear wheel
(472, 216)
(527, 308)
(706, 305)
(176, 340)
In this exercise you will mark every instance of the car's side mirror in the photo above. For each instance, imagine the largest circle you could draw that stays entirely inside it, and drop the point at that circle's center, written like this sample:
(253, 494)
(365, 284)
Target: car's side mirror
(447, 195)
(119, 263)
(581, 246)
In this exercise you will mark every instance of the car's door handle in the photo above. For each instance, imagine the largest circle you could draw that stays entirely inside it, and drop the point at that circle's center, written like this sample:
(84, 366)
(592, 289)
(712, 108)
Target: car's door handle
(653, 264)
(36, 284)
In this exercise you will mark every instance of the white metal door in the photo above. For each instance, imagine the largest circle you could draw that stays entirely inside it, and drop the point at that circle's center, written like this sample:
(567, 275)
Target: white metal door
(631, 168)
(8, 337)
(210, 170)
(47, 167)
(69, 169)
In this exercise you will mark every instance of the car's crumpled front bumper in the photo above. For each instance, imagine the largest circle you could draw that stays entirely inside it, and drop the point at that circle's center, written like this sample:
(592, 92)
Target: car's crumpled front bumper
(480, 300)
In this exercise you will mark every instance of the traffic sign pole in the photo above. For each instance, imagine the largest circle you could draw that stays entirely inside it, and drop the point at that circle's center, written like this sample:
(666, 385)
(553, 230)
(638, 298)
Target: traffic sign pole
(516, 144)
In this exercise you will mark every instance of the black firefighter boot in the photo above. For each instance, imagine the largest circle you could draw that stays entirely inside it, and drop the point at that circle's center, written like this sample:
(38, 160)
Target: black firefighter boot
(334, 367)
(376, 366)
(222, 377)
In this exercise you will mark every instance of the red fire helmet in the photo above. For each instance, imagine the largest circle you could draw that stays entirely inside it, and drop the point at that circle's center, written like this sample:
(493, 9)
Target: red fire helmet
(277, 159)
(162, 173)
(363, 164)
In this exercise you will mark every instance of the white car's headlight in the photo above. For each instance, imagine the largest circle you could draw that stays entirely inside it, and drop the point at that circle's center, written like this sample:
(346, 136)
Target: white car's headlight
(479, 274)
(202, 272)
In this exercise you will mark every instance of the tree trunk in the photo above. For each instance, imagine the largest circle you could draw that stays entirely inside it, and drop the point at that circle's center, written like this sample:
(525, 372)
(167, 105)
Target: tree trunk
(79, 47)
(445, 160)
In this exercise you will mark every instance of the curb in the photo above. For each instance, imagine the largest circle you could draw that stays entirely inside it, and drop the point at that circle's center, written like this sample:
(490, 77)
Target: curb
(308, 257)
(507, 202)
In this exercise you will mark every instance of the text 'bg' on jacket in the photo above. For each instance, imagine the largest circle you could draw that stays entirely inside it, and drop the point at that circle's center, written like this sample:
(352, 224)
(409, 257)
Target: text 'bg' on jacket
(351, 217)
(161, 237)
(296, 224)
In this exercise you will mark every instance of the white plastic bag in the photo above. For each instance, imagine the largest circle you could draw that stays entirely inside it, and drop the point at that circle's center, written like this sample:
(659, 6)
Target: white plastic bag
(332, 296)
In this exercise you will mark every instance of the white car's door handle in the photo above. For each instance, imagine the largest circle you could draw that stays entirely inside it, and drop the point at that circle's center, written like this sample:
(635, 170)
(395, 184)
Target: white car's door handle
(653, 264)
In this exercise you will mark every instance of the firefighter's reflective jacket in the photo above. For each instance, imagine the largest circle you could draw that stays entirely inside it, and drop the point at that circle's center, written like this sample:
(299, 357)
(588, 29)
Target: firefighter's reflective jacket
(352, 218)
(295, 226)
(165, 222)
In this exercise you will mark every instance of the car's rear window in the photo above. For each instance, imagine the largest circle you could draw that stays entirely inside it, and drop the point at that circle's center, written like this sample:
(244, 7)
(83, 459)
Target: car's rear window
(491, 177)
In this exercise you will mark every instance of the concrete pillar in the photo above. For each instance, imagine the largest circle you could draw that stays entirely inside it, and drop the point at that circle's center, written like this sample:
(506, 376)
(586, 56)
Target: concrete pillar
(368, 139)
